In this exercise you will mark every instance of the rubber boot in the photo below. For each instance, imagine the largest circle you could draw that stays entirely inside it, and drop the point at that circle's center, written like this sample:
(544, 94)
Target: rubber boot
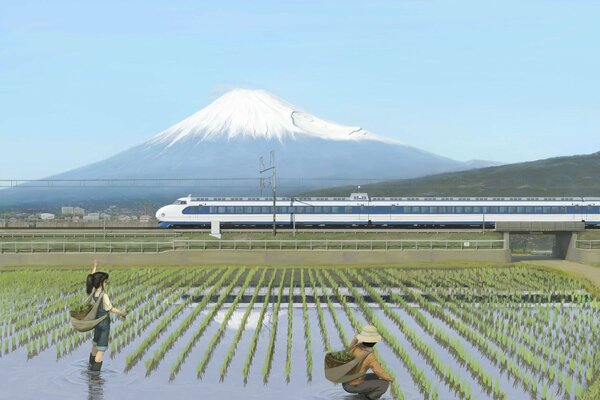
(96, 366)
(92, 358)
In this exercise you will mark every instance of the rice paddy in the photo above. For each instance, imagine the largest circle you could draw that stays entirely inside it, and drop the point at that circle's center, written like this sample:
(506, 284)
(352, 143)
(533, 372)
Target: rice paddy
(509, 332)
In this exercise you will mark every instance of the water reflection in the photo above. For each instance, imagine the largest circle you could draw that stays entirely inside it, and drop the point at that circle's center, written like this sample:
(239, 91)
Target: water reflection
(95, 383)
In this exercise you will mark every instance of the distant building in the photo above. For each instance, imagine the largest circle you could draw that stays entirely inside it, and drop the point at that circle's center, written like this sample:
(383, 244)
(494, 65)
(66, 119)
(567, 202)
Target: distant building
(66, 210)
(104, 216)
(46, 216)
(124, 218)
(78, 211)
(145, 218)
(92, 217)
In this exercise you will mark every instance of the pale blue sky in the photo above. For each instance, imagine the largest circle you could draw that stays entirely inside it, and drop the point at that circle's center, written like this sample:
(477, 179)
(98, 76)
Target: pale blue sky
(498, 80)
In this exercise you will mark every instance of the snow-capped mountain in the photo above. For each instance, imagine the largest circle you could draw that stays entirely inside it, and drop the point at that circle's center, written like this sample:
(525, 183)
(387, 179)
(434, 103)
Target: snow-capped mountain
(226, 139)
(255, 114)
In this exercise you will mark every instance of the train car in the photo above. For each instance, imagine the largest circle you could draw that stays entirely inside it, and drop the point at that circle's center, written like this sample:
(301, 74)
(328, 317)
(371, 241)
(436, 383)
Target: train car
(361, 210)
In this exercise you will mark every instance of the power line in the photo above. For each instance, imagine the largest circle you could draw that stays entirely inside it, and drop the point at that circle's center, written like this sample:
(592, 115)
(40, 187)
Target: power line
(153, 182)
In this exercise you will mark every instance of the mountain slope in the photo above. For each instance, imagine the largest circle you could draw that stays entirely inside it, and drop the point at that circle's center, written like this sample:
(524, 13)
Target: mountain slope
(560, 176)
(226, 139)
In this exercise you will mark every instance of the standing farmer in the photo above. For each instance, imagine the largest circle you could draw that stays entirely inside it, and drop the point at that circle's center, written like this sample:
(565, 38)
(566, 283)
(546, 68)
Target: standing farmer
(373, 385)
(97, 282)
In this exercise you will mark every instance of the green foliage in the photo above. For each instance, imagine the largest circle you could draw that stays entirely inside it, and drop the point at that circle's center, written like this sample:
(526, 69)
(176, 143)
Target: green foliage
(560, 176)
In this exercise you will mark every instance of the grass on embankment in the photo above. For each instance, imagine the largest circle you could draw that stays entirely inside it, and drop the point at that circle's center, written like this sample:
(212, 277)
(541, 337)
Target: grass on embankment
(281, 235)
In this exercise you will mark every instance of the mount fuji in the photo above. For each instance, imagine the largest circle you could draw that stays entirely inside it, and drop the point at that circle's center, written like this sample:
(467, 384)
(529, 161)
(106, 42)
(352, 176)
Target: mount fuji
(226, 139)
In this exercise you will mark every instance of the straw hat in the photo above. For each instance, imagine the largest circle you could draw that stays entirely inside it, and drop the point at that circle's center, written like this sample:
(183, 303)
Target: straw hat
(369, 334)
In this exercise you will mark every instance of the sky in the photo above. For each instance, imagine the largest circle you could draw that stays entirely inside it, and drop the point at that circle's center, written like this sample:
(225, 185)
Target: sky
(507, 81)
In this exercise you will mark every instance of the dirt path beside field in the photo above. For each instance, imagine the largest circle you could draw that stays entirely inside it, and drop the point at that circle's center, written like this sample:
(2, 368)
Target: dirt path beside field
(586, 271)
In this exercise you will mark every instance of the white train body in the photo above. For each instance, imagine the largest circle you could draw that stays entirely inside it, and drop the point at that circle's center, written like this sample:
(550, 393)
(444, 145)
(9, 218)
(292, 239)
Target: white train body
(359, 209)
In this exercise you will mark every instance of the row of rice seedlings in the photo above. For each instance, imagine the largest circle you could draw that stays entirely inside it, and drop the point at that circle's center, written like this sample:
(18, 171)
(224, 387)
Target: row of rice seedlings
(218, 335)
(331, 309)
(184, 325)
(474, 366)
(266, 369)
(238, 335)
(156, 286)
(166, 291)
(206, 321)
(288, 356)
(320, 316)
(259, 325)
(499, 357)
(153, 310)
(307, 335)
(394, 386)
(483, 344)
(495, 355)
(136, 355)
(523, 341)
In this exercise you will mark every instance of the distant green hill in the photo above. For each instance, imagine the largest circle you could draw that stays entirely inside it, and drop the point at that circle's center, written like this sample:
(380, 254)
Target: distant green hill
(560, 176)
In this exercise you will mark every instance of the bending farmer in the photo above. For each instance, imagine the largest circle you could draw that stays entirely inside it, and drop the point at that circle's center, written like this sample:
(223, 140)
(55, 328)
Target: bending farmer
(372, 385)
(97, 282)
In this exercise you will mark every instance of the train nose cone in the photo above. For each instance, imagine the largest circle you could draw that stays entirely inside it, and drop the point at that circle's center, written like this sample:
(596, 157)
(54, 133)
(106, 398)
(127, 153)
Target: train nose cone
(160, 214)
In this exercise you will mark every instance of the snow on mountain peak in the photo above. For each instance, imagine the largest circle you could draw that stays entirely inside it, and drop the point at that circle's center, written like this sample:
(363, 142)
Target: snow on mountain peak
(257, 114)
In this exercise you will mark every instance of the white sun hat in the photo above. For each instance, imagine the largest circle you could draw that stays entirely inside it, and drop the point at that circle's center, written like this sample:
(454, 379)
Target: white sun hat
(368, 334)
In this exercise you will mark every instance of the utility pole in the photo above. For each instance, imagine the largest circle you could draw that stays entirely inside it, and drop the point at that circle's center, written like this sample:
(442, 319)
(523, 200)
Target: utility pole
(272, 182)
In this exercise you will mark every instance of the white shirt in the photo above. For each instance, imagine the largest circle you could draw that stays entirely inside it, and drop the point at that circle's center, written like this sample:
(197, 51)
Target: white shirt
(105, 300)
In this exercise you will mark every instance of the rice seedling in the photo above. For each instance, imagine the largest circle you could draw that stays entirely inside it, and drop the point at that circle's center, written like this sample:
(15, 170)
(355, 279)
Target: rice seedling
(266, 369)
(254, 340)
(307, 334)
(288, 355)
(214, 341)
(241, 329)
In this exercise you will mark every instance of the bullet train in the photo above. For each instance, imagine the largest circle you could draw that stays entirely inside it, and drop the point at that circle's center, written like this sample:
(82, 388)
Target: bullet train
(361, 210)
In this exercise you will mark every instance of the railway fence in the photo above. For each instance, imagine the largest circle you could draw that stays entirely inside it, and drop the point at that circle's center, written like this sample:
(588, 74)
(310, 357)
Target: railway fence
(250, 244)
(587, 244)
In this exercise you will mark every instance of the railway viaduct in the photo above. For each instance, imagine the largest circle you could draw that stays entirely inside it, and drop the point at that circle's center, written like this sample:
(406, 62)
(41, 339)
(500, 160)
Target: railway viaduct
(566, 233)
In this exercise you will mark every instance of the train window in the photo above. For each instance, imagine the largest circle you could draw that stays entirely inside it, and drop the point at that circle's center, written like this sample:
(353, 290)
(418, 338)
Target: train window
(239, 210)
(255, 210)
(529, 210)
(230, 210)
(458, 209)
(415, 210)
(327, 209)
(538, 210)
(468, 209)
(424, 210)
(266, 210)
(477, 210)
(512, 210)
(520, 210)
(348, 210)
(563, 210)
(502, 210)
(221, 210)
(433, 210)
(317, 210)
(442, 210)
(335, 210)
(212, 210)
